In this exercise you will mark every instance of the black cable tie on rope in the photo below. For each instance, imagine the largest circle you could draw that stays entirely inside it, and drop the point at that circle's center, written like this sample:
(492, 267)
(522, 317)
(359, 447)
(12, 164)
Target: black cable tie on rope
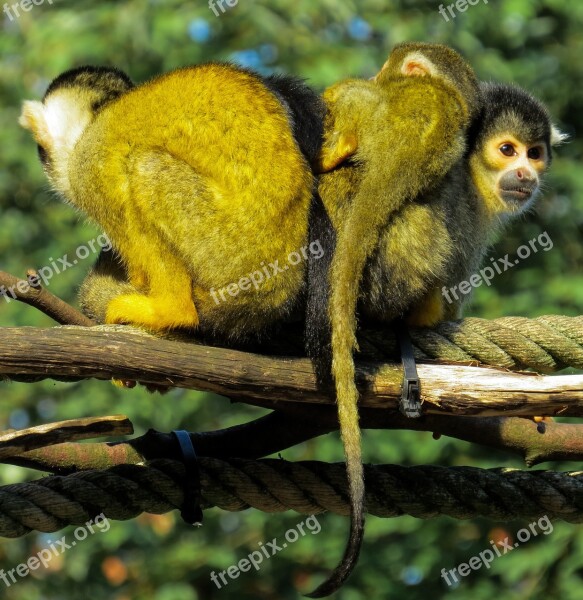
(410, 403)
(191, 511)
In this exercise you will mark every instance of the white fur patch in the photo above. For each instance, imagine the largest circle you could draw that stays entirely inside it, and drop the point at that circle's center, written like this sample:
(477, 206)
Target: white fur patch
(558, 137)
(66, 120)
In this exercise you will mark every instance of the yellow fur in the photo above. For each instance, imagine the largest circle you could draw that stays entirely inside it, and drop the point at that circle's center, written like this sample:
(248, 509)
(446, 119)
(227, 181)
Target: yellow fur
(404, 131)
(194, 176)
(429, 311)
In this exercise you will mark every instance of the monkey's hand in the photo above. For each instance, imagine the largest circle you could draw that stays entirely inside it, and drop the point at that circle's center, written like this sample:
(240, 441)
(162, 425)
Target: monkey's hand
(339, 148)
(152, 312)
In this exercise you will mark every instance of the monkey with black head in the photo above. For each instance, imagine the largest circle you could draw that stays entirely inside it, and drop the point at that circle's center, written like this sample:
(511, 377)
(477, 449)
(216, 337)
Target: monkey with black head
(498, 179)
(175, 173)
(386, 142)
(433, 238)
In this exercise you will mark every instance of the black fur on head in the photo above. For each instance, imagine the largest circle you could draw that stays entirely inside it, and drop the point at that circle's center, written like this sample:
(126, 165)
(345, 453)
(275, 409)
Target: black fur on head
(108, 82)
(508, 108)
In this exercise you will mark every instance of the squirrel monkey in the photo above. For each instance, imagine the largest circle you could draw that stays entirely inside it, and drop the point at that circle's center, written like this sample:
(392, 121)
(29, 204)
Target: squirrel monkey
(509, 150)
(386, 141)
(440, 239)
(438, 236)
(193, 175)
(388, 145)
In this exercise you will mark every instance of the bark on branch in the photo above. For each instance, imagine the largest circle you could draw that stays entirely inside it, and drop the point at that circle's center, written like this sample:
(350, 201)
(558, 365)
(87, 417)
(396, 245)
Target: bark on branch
(280, 430)
(32, 293)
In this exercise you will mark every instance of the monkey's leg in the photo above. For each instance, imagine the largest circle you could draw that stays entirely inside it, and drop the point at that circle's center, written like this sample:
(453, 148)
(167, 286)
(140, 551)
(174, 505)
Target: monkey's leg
(167, 303)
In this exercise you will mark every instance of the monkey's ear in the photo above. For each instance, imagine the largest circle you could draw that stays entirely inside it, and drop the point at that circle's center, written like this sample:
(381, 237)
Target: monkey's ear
(417, 65)
(335, 151)
(413, 65)
(557, 136)
(33, 119)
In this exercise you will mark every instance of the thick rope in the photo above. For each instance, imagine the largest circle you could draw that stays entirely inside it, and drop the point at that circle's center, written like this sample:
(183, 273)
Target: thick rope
(272, 485)
(546, 344)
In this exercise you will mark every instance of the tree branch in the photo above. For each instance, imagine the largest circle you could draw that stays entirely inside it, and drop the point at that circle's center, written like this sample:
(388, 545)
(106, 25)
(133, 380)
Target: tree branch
(73, 353)
(281, 430)
(17, 441)
(32, 293)
(286, 384)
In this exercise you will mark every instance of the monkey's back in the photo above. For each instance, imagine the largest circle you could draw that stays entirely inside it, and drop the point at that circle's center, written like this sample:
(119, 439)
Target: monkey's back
(205, 159)
(195, 113)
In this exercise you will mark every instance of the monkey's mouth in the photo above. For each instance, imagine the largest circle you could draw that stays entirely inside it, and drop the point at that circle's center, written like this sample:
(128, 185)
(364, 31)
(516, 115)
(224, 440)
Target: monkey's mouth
(516, 195)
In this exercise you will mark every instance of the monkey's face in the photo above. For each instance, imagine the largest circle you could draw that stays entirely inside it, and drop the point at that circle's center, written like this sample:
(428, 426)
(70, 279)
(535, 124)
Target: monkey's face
(509, 171)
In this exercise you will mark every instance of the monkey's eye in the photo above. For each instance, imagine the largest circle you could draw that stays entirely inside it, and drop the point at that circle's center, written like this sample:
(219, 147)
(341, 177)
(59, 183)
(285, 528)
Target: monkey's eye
(534, 153)
(507, 150)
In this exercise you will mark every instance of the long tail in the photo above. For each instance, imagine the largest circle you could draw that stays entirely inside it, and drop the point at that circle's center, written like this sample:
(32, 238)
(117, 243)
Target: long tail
(346, 273)
(356, 241)
(350, 431)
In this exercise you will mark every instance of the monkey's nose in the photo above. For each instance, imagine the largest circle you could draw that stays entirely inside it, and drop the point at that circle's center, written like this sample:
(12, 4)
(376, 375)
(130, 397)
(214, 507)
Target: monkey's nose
(525, 176)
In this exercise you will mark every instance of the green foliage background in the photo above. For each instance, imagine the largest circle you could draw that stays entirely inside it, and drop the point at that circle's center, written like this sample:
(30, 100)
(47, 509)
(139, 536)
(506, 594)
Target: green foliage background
(535, 43)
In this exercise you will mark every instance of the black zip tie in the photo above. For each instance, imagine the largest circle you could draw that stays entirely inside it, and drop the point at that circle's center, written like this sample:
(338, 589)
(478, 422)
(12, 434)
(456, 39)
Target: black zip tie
(191, 511)
(410, 403)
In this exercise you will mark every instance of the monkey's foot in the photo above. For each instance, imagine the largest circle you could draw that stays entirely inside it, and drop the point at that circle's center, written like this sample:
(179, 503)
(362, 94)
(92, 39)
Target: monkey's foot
(541, 422)
(124, 383)
(541, 419)
(151, 387)
(155, 314)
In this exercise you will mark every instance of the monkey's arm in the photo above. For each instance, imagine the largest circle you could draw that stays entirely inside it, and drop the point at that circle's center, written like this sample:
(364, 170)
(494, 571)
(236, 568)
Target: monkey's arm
(346, 102)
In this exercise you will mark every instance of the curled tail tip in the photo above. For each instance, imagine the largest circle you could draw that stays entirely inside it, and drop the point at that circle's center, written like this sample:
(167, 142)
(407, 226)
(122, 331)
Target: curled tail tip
(343, 571)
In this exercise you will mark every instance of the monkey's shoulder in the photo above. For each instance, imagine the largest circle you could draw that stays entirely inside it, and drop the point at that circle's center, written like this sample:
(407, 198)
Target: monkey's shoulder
(352, 94)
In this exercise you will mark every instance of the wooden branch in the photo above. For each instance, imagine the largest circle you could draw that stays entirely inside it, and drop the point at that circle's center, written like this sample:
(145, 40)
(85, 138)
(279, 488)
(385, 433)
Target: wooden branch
(304, 416)
(22, 440)
(280, 430)
(535, 444)
(32, 293)
(264, 436)
(124, 353)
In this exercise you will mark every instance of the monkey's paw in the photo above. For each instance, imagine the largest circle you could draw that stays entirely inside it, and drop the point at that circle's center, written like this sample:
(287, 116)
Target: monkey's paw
(155, 314)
